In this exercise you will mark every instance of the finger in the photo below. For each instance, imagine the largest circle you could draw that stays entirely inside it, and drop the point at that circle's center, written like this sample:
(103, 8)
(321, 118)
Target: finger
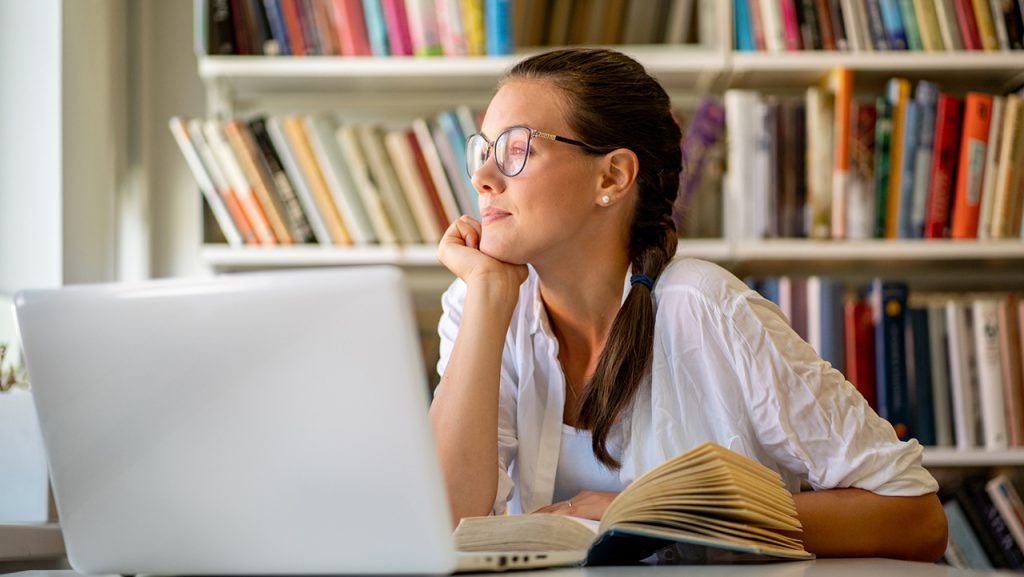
(470, 234)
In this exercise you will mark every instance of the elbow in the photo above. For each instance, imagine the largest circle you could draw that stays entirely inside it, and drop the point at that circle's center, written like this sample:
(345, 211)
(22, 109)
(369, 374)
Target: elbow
(931, 536)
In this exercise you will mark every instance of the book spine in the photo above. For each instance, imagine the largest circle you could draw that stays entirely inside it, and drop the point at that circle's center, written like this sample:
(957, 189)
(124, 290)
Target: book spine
(397, 22)
(497, 27)
(473, 25)
(1006, 193)
(382, 173)
(423, 170)
(307, 23)
(431, 156)
(960, 345)
(999, 23)
(862, 172)
(986, 27)
(990, 377)
(948, 27)
(298, 139)
(1006, 500)
(931, 37)
(220, 182)
(289, 162)
(744, 41)
(835, 12)
(911, 134)
(220, 31)
(423, 27)
(790, 28)
(277, 26)
(860, 349)
(415, 193)
(898, 92)
(967, 24)
(243, 43)
(944, 164)
(977, 516)
(926, 95)
(233, 172)
(1012, 370)
(937, 335)
(350, 23)
(290, 15)
(206, 187)
(824, 19)
(963, 539)
(893, 22)
(449, 27)
(807, 17)
(970, 171)
(376, 28)
(910, 25)
(883, 142)
(757, 24)
(841, 85)
(293, 208)
(353, 160)
(1014, 19)
(890, 340)
(992, 153)
(876, 27)
(233, 129)
(919, 376)
(996, 525)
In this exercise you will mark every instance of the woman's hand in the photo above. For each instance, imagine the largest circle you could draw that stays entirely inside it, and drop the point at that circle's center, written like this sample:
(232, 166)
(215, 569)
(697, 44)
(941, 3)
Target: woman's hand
(587, 505)
(459, 251)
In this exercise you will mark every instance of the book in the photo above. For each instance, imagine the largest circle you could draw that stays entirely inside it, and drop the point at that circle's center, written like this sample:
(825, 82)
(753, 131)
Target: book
(1007, 501)
(413, 186)
(839, 84)
(860, 348)
(889, 306)
(295, 132)
(927, 14)
(919, 375)
(705, 129)
(179, 129)
(347, 137)
(707, 504)
(220, 181)
(937, 335)
(985, 315)
(383, 176)
(269, 157)
(926, 95)
(1006, 195)
(240, 142)
(968, 25)
(861, 190)
(497, 27)
(898, 95)
(962, 378)
(946, 15)
(963, 539)
(892, 20)
(970, 171)
(1013, 372)
(945, 158)
(988, 192)
(303, 192)
(986, 25)
(883, 142)
(214, 133)
(913, 32)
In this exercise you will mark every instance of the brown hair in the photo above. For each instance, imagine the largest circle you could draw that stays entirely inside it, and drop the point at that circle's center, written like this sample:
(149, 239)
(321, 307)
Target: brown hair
(614, 103)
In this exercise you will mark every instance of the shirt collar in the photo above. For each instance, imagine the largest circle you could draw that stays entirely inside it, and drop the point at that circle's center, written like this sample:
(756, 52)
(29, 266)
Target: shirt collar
(540, 315)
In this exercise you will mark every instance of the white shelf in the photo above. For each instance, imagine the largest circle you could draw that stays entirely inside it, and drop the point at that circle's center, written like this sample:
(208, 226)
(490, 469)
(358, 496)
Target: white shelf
(948, 457)
(677, 66)
(969, 253)
(972, 70)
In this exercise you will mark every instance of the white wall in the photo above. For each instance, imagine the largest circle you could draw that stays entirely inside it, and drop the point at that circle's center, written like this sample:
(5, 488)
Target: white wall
(30, 144)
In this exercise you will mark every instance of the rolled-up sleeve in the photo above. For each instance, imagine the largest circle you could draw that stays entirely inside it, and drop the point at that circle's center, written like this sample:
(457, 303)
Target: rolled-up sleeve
(812, 420)
(448, 328)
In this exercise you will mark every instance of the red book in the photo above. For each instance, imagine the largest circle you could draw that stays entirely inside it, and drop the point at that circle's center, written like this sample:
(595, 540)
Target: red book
(399, 37)
(290, 14)
(945, 156)
(971, 168)
(859, 337)
(242, 42)
(428, 182)
(968, 25)
(351, 25)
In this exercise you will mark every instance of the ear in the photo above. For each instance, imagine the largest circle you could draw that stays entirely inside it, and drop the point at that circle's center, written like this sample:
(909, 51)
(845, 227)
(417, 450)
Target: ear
(619, 169)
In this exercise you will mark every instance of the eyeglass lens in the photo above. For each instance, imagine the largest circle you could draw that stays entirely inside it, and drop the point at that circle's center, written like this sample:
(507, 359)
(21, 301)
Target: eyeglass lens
(511, 149)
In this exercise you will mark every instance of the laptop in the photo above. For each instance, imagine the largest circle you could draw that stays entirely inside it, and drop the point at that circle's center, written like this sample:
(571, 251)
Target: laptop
(257, 423)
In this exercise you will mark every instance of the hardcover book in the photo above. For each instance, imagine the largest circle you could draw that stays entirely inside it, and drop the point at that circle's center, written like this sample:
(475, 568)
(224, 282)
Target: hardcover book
(708, 504)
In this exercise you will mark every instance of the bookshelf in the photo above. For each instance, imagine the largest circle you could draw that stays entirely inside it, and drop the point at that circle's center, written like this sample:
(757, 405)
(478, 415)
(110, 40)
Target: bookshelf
(394, 90)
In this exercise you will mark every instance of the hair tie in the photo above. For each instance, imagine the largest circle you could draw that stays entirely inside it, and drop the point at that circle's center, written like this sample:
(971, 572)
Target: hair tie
(642, 279)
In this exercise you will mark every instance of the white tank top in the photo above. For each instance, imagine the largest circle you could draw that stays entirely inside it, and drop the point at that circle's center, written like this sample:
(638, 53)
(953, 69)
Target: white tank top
(578, 468)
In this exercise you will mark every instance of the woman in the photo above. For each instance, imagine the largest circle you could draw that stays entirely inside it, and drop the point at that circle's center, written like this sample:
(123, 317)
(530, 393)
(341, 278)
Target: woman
(564, 380)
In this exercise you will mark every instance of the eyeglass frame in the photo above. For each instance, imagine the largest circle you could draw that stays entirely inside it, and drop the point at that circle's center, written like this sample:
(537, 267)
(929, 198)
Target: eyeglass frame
(534, 133)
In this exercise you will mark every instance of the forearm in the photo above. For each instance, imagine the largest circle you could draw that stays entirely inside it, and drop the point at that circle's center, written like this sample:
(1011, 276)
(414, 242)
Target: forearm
(859, 523)
(465, 413)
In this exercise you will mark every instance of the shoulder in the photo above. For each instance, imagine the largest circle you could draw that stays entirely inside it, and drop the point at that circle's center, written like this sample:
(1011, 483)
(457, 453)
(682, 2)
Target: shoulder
(691, 279)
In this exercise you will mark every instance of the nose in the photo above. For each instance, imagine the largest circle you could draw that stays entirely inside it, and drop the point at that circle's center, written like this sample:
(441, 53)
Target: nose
(488, 179)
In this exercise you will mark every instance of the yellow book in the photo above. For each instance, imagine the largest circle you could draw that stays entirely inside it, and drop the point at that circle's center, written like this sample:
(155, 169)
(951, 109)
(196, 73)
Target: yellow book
(295, 132)
(473, 24)
(928, 18)
(708, 504)
(897, 93)
(986, 27)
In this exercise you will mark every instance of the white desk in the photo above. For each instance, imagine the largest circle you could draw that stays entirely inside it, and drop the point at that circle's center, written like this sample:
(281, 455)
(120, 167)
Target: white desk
(819, 568)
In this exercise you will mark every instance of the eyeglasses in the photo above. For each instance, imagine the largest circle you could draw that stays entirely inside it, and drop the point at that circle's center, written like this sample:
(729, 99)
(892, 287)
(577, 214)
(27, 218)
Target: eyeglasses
(511, 149)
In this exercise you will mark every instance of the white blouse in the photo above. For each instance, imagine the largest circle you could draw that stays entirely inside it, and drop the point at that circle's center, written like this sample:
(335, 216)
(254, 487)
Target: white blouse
(726, 368)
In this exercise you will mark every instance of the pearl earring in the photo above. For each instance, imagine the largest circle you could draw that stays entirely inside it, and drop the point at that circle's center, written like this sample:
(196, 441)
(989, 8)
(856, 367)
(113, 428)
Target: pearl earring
(606, 199)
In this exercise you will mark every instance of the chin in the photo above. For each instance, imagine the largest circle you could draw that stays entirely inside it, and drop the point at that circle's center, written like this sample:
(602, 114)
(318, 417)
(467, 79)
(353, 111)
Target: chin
(503, 251)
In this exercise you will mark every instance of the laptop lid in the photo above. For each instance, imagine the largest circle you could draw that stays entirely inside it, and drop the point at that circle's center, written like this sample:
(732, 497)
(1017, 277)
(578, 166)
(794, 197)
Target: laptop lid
(254, 423)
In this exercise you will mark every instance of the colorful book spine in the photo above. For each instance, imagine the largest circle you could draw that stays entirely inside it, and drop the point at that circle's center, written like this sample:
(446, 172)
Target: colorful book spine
(423, 27)
(963, 539)
(876, 27)
(898, 93)
(992, 153)
(290, 14)
(861, 212)
(220, 182)
(889, 305)
(931, 36)
(919, 376)
(970, 172)
(926, 96)
(277, 26)
(399, 39)
(944, 164)
(968, 25)
(290, 163)
(893, 22)
(913, 32)
(473, 26)
(945, 13)
(376, 27)
(449, 27)
(790, 27)
(840, 84)
(909, 139)
(742, 26)
(883, 142)
(497, 26)
(293, 210)
(860, 349)
(986, 27)
(350, 24)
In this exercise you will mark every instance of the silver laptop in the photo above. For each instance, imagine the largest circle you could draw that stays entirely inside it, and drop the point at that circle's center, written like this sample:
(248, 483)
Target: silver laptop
(248, 424)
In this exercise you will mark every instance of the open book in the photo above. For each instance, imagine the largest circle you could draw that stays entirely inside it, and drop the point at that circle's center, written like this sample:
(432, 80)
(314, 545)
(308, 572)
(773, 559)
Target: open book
(707, 505)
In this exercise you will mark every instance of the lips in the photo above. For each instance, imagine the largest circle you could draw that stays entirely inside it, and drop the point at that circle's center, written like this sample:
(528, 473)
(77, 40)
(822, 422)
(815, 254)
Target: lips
(491, 214)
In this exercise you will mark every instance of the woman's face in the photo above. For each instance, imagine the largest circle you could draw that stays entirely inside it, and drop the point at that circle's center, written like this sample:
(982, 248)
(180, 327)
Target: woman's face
(549, 203)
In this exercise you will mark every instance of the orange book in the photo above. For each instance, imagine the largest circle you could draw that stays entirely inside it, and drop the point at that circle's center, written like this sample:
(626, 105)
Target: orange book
(898, 91)
(220, 182)
(840, 84)
(236, 179)
(292, 21)
(237, 136)
(971, 168)
(296, 134)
